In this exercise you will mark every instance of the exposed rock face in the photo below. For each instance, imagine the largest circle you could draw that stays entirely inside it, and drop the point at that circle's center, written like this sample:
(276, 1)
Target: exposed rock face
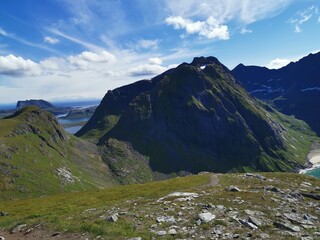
(192, 118)
(293, 89)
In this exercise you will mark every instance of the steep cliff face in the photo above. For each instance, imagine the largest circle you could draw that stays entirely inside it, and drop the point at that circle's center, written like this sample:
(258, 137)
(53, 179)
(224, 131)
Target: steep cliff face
(194, 118)
(293, 89)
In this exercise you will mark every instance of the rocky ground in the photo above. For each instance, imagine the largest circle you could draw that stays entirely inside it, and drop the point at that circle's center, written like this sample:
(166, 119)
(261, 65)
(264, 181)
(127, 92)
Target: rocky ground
(252, 207)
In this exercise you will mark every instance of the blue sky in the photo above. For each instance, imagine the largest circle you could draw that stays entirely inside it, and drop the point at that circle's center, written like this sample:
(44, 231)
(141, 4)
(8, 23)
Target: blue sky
(79, 49)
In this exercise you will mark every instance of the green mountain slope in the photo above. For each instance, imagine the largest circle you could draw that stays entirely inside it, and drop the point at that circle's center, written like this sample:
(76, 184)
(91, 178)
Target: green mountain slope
(37, 157)
(197, 118)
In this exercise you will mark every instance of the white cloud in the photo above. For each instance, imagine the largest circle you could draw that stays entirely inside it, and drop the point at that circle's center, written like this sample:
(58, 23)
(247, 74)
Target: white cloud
(81, 42)
(3, 32)
(156, 61)
(302, 17)
(84, 59)
(278, 63)
(51, 40)
(245, 30)
(209, 28)
(26, 42)
(147, 44)
(210, 18)
(146, 70)
(17, 66)
(246, 11)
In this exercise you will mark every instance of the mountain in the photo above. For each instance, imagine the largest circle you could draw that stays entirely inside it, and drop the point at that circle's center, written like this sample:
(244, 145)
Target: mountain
(293, 89)
(195, 118)
(39, 158)
(45, 105)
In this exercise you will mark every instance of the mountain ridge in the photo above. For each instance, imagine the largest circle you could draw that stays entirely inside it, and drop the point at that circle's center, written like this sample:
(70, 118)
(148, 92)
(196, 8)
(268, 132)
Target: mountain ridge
(292, 89)
(39, 158)
(190, 117)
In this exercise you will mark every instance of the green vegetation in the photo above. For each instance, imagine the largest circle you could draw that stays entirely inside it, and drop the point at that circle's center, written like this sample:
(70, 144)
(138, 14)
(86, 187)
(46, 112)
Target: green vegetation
(86, 212)
(38, 158)
(66, 212)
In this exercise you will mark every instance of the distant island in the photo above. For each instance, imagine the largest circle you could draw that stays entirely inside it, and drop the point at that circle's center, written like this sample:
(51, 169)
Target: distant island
(71, 117)
(44, 105)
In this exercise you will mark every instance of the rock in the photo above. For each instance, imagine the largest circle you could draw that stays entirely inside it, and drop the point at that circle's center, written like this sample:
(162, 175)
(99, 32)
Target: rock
(28, 231)
(18, 228)
(258, 176)
(233, 189)
(306, 238)
(264, 236)
(172, 231)
(135, 238)
(206, 217)
(296, 218)
(3, 214)
(311, 195)
(235, 236)
(272, 189)
(218, 230)
(185, 196)
(55, 234)
(286, 226)
(306, 184)
(255, 221)
(113, 218)
(65, 175)
(161, 233)
(168, 219)
(248, 224)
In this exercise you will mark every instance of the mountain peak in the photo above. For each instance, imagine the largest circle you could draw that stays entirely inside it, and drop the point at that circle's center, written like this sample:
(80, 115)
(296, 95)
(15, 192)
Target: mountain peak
(200, 61)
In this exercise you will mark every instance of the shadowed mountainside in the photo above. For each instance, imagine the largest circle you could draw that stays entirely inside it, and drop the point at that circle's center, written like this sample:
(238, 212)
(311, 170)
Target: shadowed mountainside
(197, 118)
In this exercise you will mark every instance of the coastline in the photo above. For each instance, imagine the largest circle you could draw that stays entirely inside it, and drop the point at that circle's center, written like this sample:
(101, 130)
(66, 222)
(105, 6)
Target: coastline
(313, 159)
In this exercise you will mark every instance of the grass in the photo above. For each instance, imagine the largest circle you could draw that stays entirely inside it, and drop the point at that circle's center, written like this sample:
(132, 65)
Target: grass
(30, 160)
(65, 211)
(86, 212)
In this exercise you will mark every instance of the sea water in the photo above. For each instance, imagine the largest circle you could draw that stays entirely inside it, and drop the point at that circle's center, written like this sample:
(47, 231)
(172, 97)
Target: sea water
(314, 172)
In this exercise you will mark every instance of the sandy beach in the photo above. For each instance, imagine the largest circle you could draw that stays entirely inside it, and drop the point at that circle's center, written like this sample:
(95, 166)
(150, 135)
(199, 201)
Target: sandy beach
(313, 158)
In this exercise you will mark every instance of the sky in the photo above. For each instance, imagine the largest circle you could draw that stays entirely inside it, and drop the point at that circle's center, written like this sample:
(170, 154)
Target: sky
(61, 50)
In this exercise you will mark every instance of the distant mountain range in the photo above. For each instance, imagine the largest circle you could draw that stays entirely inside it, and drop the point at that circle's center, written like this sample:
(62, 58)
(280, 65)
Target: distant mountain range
(293, 89)
(196, 117)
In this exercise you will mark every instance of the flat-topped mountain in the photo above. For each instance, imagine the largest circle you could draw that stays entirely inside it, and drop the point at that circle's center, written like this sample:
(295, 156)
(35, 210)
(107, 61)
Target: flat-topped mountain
(45, 105)
(196, 117)
(293, 89)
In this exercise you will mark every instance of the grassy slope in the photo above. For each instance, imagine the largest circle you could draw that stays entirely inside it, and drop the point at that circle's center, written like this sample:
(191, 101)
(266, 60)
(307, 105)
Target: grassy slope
(55, 210)
(29, 161)
(66, 212)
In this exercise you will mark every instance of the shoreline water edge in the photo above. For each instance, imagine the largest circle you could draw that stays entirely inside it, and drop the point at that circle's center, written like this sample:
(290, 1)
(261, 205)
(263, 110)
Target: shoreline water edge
(313, 160)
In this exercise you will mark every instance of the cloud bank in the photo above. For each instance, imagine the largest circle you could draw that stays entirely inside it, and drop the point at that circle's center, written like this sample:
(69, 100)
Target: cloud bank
(213, 16)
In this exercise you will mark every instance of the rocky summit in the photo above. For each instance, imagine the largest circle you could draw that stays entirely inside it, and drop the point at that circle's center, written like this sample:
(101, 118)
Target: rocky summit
(193, 118)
